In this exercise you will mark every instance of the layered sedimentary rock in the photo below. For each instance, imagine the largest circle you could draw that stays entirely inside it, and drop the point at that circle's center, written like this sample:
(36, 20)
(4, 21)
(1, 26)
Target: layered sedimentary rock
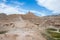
(26, 27)
(15, 28)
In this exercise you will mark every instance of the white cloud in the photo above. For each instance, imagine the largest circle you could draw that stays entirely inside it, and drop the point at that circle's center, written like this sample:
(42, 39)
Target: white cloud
(50, 4)
(16, 10)
(8, 9)
(38, 13)
(4, 8)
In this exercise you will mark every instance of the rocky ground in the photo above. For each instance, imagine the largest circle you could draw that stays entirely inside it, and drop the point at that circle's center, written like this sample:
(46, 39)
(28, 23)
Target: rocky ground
(26, 27)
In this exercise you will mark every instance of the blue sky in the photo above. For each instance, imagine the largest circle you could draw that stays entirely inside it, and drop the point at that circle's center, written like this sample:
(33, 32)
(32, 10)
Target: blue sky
(23, 6)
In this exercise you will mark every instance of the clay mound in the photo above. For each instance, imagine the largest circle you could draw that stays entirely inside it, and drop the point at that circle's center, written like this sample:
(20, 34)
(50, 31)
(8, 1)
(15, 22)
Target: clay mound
(53, 20)
(19, 29)
(28, 32)
(3, 16)
(6, 22)
(32, 18)
(26, 27)
(13, 17)
(29, 15)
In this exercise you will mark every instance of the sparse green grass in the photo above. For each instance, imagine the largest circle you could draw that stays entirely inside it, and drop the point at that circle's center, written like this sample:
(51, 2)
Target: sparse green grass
(51, 29)
(53, 34)
(59, 30)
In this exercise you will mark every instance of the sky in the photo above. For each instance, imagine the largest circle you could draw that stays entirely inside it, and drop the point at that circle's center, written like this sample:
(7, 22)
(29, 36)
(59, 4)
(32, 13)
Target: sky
(38, 7)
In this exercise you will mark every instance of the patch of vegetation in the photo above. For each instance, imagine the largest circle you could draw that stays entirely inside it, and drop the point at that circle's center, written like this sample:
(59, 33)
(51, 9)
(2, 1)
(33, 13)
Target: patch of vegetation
(53, 34)
(51, 29)
(59, 30)
(3, 32)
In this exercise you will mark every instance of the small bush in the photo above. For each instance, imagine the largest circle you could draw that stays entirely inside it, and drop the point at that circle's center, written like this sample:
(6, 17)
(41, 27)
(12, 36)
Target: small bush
(3, 32)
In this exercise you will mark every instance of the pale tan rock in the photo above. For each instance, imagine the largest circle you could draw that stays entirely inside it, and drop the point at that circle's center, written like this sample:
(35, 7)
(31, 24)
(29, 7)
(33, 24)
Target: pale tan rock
(24, 35)
(19, 29)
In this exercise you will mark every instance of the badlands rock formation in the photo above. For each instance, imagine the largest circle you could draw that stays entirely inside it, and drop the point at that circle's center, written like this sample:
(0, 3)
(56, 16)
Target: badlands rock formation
(15, 28)
(26, 27)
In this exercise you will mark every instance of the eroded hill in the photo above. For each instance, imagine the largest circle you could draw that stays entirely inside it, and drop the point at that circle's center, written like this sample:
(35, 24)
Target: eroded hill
(26, 27)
